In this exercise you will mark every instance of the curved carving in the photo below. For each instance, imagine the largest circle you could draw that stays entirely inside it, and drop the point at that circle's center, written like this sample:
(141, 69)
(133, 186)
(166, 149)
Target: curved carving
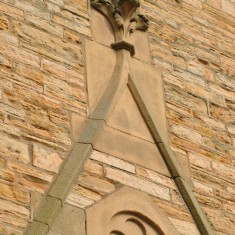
(127, 212)
(133, 222)
(123, 15)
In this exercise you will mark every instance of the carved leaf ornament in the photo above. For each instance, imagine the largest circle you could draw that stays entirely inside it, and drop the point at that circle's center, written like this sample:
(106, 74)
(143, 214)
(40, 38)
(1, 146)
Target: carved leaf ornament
(123, 16)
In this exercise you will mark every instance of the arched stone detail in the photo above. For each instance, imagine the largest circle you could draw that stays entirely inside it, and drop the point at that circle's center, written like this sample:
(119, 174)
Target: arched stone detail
(126, 212)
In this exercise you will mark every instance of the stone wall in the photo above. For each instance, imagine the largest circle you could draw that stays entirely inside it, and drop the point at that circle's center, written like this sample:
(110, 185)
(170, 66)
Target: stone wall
(43, 83)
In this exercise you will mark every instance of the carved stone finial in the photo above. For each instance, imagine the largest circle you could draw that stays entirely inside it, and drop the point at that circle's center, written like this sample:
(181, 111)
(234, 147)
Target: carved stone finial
(123, 16)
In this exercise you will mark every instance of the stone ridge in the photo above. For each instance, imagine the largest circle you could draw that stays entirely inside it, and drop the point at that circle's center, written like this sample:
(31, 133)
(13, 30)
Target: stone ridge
(43, 82)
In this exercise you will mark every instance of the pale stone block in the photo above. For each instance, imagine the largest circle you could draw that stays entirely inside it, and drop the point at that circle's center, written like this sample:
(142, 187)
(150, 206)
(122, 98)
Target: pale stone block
(228, 7)
(224, 170)
(15, 148)
(31, 171)
(94, 167)
(202, 188)
(13, 193)
(12, 11)
(138, 183)
(186, 133)
(155, 177)
(112, 161)
(200, 161)
(184, 227)
(45, 158)
(78, 200)
(90, 194)
(14, 208)
(96, 184)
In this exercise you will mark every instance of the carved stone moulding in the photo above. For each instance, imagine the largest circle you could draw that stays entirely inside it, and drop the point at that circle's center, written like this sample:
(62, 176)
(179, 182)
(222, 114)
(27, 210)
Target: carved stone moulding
(126, 212)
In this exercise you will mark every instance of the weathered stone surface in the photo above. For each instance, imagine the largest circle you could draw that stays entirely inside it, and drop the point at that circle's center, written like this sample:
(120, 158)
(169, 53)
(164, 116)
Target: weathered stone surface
(14, 194)
(185, 227)
(46, 158)
(94, 167)
(138, 183)
(99, 185)
(31, 177)
(78, 200)
(12, 148)
(11, 11)
(48, 45)
(4, 23)
(43, 80)
(155, 177)
(88, 193)
(17, 210)
(112, 161)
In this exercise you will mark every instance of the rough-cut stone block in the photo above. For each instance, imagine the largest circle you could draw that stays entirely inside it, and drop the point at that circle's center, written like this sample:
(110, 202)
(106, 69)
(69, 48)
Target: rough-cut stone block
(138, 183)
(46, 158)
(11, 11)
(4, 23)
(155, 177)
(184, 227)
(16, 149)
(79, 25)
(69, 75)
(17, 210)
(112, 161)
(79, 201)
(96, 184)
(200, 161)
(224, 170)
(14, 194)
(94, 167)
(19, 54)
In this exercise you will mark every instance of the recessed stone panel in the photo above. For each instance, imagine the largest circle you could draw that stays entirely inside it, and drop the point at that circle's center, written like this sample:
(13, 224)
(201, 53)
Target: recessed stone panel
(102, 29)
(149, 83)
(126, 117)
(100, 65)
